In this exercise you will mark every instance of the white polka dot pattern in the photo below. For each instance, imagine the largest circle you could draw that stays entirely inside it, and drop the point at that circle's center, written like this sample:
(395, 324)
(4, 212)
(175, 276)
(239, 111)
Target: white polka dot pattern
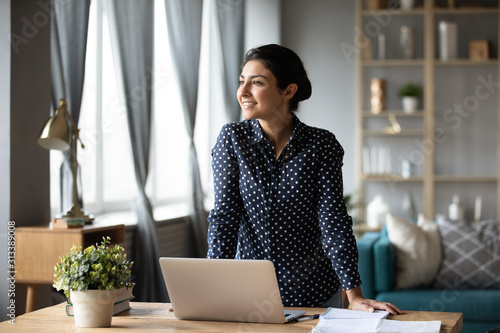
(290, 210)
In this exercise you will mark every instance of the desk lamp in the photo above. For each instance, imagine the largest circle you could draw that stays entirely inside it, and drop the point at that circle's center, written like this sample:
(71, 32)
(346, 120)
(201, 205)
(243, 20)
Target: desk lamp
(56, 134)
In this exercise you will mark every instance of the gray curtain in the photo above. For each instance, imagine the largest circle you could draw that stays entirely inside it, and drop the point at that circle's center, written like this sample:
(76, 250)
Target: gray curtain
(184, 29)
(231, 19)
(131, 23)
(70, 20)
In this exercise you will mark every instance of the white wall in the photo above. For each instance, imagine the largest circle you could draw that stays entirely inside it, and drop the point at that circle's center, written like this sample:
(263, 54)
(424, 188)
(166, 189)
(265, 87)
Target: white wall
(315, 29)
(24, 108)
(262, 22)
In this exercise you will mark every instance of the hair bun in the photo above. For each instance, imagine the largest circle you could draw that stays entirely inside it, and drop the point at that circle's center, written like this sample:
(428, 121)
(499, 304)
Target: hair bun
(305, 88)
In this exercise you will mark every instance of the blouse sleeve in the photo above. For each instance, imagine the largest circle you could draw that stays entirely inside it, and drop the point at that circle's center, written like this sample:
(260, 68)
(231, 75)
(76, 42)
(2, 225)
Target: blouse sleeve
(224, 218)
(338, 240)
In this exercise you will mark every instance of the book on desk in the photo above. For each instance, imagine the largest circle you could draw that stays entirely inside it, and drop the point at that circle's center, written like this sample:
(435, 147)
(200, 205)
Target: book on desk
(122, 302)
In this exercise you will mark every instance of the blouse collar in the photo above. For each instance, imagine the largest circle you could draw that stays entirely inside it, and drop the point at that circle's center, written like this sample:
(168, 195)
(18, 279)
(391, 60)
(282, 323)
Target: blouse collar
(256, 134)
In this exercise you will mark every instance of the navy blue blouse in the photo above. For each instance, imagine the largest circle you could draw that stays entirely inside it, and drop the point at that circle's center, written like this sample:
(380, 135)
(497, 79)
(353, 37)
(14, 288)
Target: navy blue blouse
(290, 210)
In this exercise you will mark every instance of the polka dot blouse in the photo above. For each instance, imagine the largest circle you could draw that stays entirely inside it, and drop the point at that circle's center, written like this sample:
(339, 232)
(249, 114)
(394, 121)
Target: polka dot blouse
(290, 210)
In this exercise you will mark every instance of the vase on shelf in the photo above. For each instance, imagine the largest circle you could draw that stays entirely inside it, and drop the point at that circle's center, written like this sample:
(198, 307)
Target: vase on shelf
(407, 169)
(455, 210)
(377, 99)
(407, 42)
(406, 4)
(409, 208)
(448, 40)
(377, 212)
(381, 46)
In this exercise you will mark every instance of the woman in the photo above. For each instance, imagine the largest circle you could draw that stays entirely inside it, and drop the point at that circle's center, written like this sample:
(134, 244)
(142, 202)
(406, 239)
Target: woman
(278, 189)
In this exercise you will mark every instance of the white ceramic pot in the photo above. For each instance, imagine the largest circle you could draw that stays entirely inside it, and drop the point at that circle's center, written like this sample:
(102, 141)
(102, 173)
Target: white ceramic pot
(407, 4)
(93, 308)
(410, 104)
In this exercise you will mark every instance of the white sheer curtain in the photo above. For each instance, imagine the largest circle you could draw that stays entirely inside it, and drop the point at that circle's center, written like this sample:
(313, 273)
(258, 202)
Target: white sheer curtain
(132, 24)
(184, 20)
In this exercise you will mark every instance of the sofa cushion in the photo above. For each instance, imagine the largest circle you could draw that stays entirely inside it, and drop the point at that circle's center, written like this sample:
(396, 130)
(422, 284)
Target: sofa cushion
(384, 258)
(365, 263)
(471, 254)
(476, 305)
(418, 251)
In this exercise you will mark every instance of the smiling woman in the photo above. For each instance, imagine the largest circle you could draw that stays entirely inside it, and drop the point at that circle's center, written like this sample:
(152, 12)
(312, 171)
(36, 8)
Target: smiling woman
(278, 189)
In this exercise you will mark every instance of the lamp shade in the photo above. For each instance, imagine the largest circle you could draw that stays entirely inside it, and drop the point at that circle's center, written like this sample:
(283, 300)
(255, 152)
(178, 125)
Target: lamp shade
(56, 131)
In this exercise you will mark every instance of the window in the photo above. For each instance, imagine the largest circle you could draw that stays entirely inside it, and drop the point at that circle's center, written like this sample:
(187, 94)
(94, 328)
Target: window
(107, 175)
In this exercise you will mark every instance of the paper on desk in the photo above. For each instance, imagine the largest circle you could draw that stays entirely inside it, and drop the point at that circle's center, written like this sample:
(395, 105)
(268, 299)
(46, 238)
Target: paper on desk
(347, 325)
(395, 326)
(373, 325)
(335, 313)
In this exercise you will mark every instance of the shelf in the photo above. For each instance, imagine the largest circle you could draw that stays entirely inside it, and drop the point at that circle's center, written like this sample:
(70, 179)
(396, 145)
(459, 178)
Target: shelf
(420, 62)
(362, 228)
(397, 113)
(465, 62)
(466, 11)
(393, 62)
(396, 12)
(393, 177)
(458, 178)
(402, 133)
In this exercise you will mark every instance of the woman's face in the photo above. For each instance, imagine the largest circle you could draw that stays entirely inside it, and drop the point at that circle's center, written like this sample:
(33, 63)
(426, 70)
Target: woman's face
(258, 94)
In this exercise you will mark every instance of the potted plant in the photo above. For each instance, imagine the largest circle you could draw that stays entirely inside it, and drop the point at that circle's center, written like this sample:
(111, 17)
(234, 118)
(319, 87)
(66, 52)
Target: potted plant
(410, 93)
(90, 278)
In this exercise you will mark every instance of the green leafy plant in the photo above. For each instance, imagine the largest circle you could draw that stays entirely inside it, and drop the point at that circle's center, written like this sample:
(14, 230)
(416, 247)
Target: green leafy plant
(410, 89)
(97, 267)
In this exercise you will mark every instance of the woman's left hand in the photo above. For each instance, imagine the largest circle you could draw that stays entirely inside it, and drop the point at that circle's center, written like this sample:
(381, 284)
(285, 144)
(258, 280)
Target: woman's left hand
(370, 305)
(358, 302)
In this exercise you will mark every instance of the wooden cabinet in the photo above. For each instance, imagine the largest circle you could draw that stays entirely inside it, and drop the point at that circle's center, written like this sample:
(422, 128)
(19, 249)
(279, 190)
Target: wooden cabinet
(453, 139)
(38, 250)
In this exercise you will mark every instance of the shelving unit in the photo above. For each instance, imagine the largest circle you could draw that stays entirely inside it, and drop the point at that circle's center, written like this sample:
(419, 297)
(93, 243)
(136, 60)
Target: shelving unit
(454, 150)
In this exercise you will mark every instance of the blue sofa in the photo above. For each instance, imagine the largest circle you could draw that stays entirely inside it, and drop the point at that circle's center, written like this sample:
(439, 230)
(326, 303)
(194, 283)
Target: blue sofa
(480, 308)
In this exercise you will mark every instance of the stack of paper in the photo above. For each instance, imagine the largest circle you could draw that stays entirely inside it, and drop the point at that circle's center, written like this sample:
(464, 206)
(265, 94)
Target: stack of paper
(349, 321)
(334, 313)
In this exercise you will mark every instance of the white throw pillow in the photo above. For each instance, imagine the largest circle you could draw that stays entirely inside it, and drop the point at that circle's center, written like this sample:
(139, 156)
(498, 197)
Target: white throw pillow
(418, 250)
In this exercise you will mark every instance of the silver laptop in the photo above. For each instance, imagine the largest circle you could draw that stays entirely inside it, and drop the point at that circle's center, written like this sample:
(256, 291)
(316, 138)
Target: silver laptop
(225, 290)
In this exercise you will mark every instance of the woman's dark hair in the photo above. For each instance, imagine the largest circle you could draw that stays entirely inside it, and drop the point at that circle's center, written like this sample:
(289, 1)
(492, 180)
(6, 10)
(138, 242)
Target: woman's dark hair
(286, 66)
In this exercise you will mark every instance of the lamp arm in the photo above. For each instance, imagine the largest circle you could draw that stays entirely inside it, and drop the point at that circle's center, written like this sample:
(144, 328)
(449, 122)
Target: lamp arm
(74, 129)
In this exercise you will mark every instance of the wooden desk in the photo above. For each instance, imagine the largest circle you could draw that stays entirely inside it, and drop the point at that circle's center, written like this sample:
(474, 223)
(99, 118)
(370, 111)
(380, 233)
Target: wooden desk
(38, 250)
(156, 316)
